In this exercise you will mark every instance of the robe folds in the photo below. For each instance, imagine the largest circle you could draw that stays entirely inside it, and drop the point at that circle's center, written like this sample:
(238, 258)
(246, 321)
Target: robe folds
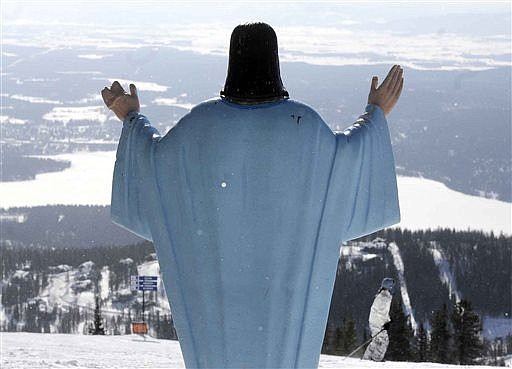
(247, 207)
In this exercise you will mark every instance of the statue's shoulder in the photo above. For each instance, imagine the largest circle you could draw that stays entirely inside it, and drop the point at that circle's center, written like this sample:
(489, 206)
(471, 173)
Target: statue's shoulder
(207, 105)
(287, 104)
(303, 108)
(308, 113)
(298, 110)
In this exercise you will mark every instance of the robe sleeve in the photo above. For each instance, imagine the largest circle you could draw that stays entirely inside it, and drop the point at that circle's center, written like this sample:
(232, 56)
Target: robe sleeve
(364, 177)
(134, 175)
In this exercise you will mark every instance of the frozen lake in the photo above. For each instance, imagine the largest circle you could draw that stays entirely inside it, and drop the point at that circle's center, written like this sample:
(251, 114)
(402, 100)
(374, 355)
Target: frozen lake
(423, 203)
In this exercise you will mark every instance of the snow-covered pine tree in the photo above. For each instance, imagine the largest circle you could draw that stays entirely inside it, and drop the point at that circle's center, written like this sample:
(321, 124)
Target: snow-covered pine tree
(466, 333)
(440, 337)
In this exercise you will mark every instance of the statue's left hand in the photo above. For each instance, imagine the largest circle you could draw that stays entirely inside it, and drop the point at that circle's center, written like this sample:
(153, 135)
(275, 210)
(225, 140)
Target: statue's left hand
(120, 102)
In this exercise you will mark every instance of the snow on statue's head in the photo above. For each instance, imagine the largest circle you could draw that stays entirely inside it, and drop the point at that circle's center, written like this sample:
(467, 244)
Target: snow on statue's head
(253, 70)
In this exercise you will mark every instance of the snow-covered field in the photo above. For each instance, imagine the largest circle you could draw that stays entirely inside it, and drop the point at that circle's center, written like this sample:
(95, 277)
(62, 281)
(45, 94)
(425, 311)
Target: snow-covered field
(423, 203)
(36, 350)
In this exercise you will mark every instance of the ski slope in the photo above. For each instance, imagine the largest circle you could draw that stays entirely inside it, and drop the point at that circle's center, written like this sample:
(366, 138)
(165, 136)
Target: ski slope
(36, 350)
(445, 271)
(399, 265)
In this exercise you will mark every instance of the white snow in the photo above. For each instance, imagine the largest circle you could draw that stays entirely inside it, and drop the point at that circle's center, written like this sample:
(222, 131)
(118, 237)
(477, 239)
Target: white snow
(20, 274)
(445, 271)
(69, 113)
(18, 218)
(141, 85)
(172, 101)
(360, 250)
(104, 282)
(36, 351)
(5, 119)
(423, 203)
(35, 99)
(62, 287)
(93, 56)
(399, 265)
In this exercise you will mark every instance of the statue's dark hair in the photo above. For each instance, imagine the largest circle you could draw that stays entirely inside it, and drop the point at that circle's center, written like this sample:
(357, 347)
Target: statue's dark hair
(253, 70)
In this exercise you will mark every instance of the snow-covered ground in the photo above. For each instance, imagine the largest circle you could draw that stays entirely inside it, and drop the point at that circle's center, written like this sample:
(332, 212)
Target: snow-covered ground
(35, 351)
(423, 203)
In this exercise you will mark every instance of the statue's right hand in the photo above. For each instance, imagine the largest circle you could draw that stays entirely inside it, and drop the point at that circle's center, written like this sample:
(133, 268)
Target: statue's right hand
(120, 102)
(387, 94)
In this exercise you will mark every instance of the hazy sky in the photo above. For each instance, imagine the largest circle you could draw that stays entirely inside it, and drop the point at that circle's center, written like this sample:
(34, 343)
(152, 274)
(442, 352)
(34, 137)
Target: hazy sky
(279, 13)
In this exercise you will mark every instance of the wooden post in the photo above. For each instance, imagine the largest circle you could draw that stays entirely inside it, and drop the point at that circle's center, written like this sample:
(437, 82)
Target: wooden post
(143, 301)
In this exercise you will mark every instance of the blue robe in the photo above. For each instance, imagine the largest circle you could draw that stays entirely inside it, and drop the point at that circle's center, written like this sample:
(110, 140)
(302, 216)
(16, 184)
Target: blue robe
(247, 206)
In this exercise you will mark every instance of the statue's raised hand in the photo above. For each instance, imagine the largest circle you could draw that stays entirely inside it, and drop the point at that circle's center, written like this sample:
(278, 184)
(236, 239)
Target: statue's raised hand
(120, 102)
(387, 94)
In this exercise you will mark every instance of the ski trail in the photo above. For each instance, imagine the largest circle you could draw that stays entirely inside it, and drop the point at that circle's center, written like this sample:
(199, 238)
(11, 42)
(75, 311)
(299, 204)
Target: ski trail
(445, 271)
(399, 265)
(104, 283)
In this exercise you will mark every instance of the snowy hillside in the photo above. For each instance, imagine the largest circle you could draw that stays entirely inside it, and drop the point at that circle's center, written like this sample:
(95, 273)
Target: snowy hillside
(34, 351)
(74, 287)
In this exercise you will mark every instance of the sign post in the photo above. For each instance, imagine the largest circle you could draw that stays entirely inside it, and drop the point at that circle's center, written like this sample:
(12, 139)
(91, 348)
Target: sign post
(143, 283)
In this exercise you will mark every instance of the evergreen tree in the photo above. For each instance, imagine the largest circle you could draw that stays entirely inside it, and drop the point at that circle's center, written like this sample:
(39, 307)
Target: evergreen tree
(338, 347)
(440, 337)
(128, 323)
(422, 344)
(330, 340)
(400, 333)
(31, 317)
(174, 334)
(98, 324)
(348, 339)
(341, 340)
(466, 333)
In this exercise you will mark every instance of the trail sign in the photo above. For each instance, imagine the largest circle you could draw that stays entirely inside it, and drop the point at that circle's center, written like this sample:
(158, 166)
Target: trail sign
(143, 283)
